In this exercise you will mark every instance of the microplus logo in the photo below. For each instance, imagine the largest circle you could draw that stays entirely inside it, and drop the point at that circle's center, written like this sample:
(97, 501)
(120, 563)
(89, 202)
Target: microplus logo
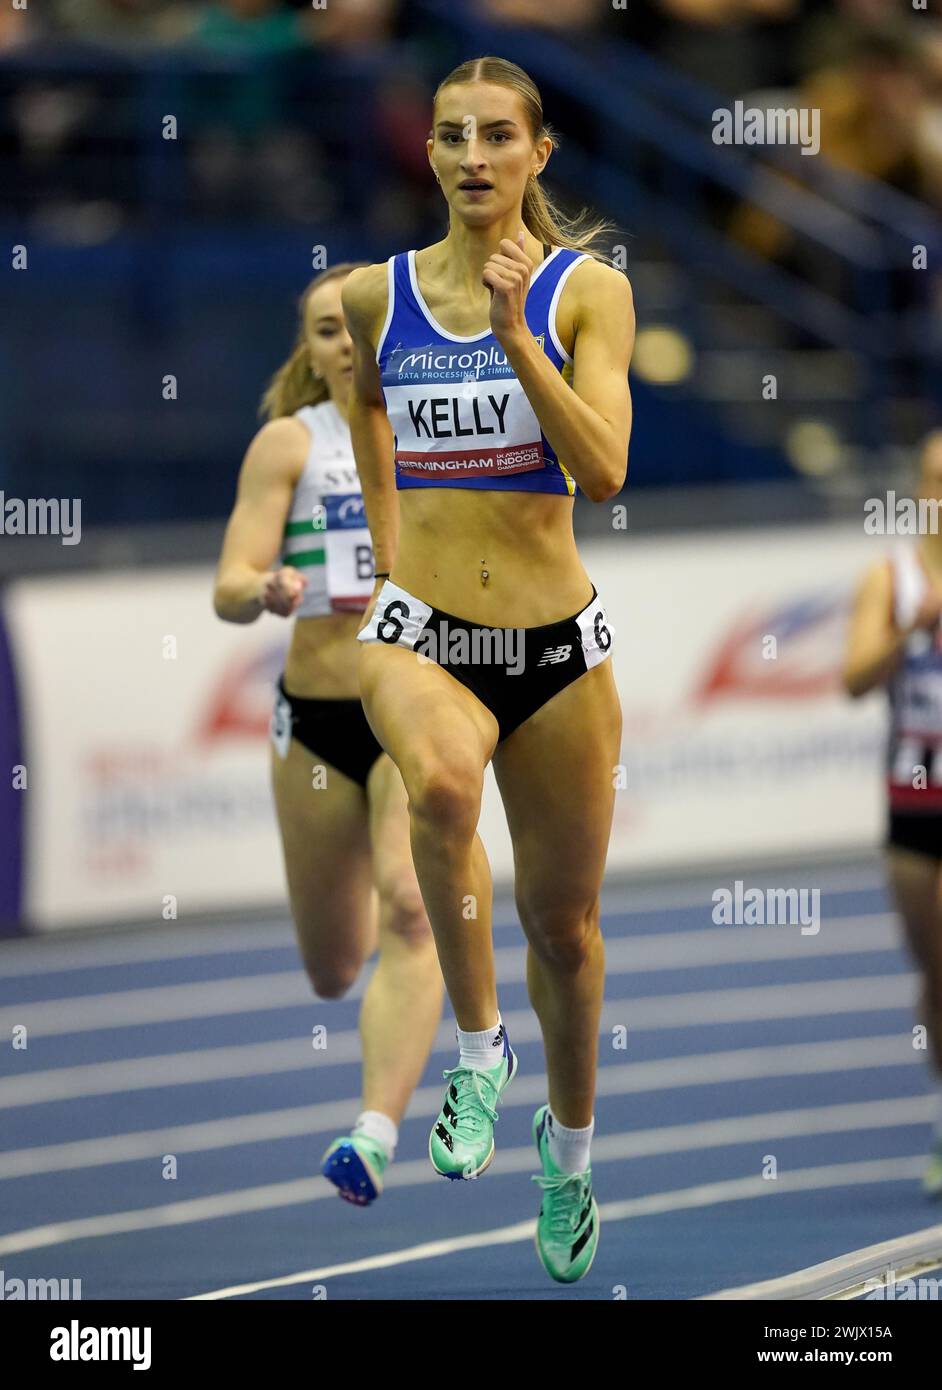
(12, 1290)
(75, 1343)
(777, 126)
(440, 360)
(41, 516)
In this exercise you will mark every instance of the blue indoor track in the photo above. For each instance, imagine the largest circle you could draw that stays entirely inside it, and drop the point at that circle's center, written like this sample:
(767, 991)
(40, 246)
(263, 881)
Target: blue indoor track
(748, 1050)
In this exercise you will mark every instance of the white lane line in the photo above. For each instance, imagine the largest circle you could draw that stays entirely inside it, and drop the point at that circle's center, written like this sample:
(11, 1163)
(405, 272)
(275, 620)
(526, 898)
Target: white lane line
(656, 1204)
(290, 988)
(671, 1139)
(839, 936)
(627, 955)
(873, 994)
(847, 1274)
(624, 899)
(632, 1078)
(654, 1013)
(283, 989)
(44, 954)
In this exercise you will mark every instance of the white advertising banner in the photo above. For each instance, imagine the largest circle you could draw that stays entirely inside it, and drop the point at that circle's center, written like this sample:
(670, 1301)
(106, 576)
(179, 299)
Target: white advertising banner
(146, 723)
(737, 739)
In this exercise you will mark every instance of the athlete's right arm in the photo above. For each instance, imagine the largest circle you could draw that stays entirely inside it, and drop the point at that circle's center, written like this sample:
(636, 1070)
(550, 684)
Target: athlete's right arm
(246, 583)
(875, 644)
(365, 298)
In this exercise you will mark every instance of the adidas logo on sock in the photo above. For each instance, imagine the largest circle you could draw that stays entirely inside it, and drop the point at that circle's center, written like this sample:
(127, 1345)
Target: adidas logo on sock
(500, 1037)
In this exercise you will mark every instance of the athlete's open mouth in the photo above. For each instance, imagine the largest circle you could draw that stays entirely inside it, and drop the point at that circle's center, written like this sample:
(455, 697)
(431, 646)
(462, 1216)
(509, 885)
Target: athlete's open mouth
(473, 184)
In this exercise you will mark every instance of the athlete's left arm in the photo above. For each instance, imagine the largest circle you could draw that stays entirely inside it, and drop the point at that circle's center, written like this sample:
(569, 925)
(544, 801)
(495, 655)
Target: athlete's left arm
(588, 424)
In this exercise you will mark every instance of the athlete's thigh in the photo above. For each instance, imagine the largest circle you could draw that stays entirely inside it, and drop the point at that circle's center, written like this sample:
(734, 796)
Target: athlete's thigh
(917, 890)
(325, 838)
(556, 776)
(421, 715)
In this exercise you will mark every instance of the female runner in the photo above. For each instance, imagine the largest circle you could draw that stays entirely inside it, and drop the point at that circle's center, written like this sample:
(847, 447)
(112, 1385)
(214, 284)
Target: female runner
(895, 641)
(340, 801)
(490, 379)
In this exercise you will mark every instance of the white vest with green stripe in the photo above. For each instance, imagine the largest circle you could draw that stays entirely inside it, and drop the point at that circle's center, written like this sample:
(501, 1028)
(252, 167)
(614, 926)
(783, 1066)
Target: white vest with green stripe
(326, 536)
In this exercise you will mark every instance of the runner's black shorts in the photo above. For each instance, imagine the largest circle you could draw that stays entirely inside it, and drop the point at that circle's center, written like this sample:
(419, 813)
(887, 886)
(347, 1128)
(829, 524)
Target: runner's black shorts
(334, 731)
(918, 831)
(512, 671)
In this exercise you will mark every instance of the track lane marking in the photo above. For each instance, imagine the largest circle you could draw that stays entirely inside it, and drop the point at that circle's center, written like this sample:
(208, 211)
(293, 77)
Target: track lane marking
(658, 1203)
(782, 1124)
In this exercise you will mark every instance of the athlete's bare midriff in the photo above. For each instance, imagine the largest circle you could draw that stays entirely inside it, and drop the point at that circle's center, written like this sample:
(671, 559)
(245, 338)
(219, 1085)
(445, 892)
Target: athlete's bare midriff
(523, 540)
(322, 660)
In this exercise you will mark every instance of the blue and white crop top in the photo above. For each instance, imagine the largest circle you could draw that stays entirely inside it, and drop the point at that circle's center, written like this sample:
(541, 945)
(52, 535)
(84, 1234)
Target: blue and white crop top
(458, 412)
(326, 536)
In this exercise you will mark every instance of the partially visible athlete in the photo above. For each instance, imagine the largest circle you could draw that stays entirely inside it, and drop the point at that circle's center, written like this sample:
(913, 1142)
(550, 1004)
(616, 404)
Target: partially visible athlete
(895, 641)
(297, 545)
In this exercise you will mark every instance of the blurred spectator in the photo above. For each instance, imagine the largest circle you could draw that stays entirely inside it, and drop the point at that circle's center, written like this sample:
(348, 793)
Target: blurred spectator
(561, 14)
(352, 23)
(729, 45)
(17, 27)
(120, 22)
(248, 27)
(402, 117)
(828, 38)
(880, 116)
(246, 152)
(276, 26)
(713, 13)
(871, 107)
(929, 120)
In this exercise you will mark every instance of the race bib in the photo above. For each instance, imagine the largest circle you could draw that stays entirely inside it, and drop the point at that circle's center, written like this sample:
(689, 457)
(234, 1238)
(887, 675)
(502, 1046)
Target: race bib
(281, 724)
(596, 631)
(349, 552)
(398, 618)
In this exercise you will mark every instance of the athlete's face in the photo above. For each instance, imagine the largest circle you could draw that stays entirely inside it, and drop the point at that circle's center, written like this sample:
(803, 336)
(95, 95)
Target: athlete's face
(480, 135)
(329, 345)
(930, 485)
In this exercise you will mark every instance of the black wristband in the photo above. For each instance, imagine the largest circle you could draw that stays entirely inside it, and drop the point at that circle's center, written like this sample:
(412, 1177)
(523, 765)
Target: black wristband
(381, 574)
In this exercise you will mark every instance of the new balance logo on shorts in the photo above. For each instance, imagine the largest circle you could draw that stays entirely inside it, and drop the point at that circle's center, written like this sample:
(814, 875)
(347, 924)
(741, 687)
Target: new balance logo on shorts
(554, 655)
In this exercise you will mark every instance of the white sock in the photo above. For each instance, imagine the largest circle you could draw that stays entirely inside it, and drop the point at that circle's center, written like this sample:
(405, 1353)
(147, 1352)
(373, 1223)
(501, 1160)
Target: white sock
(569, 1148)
(373, 1124)
(481, 1050)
